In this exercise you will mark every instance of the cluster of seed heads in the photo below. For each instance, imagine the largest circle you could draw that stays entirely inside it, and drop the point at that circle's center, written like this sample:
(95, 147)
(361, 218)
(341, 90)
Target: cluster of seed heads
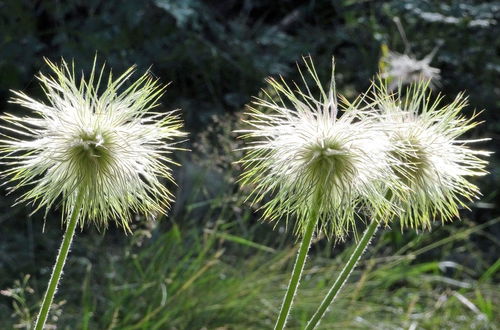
(386, 155)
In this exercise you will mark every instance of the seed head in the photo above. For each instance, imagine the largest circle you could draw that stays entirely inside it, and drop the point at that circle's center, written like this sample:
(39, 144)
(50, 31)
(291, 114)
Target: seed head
(106, 145)
(301, 148)
(430, 159)
(403, 69)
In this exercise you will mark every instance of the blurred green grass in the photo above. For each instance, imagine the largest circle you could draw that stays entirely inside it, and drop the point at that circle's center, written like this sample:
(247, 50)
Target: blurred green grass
(215, 278)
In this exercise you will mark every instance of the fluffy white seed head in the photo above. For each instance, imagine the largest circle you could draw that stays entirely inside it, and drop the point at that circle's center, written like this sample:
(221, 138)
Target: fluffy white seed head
(404, 69)
(432, 162)
(301, 148)
(106, 144)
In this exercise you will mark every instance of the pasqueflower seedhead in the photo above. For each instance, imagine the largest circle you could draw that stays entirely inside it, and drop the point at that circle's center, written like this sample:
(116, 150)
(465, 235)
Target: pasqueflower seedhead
(301, 149)
(431, 160)
(404, 69)
(94, 136)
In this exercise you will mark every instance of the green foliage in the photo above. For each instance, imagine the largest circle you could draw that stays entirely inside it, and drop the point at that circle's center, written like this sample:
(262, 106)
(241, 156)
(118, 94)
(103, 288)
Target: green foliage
(221, 52)
(189, 278)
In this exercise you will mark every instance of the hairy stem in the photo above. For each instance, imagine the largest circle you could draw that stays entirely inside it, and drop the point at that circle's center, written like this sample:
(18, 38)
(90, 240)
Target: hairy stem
(344, 275)
(59, 265)
(299, 266)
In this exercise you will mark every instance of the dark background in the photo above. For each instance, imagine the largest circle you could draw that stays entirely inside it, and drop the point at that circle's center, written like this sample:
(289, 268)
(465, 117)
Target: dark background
(217, 55)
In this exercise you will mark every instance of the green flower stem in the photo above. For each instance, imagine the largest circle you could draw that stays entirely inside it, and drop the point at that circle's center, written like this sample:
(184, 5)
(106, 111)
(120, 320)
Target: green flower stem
(298, 267)
(59, 265)
(344, 275)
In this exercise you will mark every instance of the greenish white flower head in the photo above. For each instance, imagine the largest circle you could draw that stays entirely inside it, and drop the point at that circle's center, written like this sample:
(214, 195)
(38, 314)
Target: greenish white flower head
(432, 161)
(106, 145)
(304, 153)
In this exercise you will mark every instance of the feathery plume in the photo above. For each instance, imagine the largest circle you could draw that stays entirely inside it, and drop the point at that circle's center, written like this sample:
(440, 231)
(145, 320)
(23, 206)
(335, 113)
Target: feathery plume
(404, 69)
(106, 145)
(301, 148)
(432, 162)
